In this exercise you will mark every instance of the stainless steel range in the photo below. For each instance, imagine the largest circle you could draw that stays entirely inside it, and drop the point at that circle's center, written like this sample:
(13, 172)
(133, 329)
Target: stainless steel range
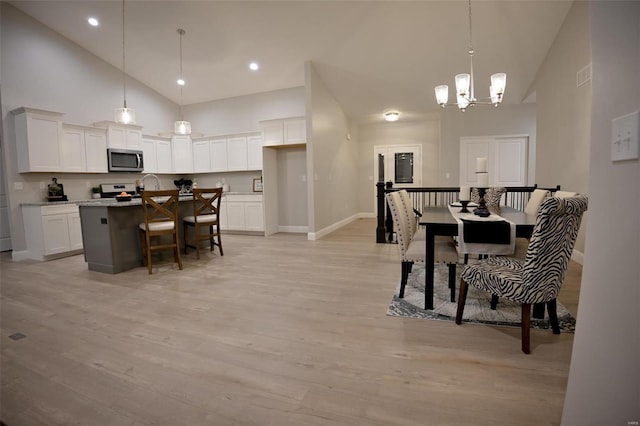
(110, 190)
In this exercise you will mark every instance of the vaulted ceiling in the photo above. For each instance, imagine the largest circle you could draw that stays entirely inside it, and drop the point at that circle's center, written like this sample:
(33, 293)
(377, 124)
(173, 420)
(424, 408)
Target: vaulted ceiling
(372, 55)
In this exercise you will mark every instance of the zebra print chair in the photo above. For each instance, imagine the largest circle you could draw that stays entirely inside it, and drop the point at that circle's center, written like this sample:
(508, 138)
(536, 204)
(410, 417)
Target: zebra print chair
(539, 277)
(492, 196)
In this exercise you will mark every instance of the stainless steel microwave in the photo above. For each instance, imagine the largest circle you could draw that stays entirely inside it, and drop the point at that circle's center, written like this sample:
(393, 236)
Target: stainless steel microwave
(125, 160)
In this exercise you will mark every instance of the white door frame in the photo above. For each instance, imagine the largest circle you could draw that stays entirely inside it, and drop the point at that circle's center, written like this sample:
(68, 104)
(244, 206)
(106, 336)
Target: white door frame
(389, 151)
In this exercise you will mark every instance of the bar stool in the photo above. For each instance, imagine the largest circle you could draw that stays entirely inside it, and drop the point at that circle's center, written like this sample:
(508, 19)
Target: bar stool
(160, 209)
(206, 213)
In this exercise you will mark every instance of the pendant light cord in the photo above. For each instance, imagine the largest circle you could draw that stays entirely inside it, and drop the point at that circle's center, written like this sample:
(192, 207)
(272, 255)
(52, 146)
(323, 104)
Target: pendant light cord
(181, 32)
(471, 52)
(124, 78)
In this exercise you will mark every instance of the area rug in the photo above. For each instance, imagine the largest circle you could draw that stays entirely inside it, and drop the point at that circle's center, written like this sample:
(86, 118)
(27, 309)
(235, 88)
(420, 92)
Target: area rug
(477, 308)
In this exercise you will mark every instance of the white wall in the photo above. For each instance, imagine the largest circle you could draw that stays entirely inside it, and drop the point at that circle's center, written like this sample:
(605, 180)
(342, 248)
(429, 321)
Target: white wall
(242, 114)
(292, 188)
(331, 159)
(604, 379)
(424, 133)
(564, 110)
(483, 121)
(42, 69)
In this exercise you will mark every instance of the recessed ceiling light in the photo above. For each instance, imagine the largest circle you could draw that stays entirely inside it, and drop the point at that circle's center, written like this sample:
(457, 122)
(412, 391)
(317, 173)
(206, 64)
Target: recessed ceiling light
(93, 21)
(391, 115)
(180, 82)
(253, 66)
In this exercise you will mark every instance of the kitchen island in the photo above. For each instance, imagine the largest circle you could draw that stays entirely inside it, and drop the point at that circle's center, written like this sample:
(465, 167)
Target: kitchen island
(110, 233)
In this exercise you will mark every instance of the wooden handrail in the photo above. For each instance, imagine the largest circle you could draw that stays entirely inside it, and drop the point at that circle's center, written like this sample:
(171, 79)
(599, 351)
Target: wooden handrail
(516, 197)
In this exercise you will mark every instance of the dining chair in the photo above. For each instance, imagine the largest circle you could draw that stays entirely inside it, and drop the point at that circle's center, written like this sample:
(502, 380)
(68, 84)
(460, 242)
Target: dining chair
(414, 251)
(492, 196)
(206, 214)
(539, 277)
(535, 200)
(160, 211)
(564, 194)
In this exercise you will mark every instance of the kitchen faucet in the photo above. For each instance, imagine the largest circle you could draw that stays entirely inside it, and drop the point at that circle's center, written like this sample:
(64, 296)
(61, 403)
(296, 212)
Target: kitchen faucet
(153, 176)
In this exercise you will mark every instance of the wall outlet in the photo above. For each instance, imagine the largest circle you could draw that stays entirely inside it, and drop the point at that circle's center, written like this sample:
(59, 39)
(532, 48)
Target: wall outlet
(42, 185)
(18, 186)
(88, 184)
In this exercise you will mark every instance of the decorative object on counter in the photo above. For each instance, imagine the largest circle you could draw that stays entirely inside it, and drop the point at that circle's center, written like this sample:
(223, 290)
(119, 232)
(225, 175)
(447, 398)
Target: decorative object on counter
(124, 115)
(218, 184)
(183, 185)
(482, 210)
(123, 196)
(181, 127)
(113, 190)
(95, 192)
(257, 184)
(225, 186)
(55, 191)
(195, 184)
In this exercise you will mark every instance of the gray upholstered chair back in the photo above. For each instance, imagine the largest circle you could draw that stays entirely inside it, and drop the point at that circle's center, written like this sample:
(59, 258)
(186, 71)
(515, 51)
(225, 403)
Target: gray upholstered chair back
(551, 244)
(400, 221)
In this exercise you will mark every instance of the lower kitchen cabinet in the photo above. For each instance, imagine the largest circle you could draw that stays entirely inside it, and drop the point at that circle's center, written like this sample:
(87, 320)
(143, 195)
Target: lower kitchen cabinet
(51, 231)
(242, 213)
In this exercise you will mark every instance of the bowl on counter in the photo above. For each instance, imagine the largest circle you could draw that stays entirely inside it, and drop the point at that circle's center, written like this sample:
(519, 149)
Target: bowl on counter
(123, 197)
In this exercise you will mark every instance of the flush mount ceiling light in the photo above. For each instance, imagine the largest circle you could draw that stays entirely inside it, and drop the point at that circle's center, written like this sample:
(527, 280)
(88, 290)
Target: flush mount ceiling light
(253, 66)
(124, 115)
(181, 127)
(391, 116)
(93, 21)
(465, 93)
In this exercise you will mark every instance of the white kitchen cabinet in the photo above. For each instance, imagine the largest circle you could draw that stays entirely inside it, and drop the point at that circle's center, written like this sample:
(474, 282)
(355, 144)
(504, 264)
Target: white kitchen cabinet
(237, 153)
(295, 131)
(38, 136)
(157, 155)
(288, 131)
(83, 150)
(182, 154)
(201, 156)
(95, 143)
(52, 231)
(242, 213)
(218, 155)
(164, 158)
(72, 151)
(122, 136)
(254, 152)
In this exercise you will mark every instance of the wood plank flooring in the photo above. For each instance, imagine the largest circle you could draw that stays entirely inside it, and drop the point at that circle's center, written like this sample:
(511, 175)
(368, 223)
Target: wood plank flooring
(278, 331)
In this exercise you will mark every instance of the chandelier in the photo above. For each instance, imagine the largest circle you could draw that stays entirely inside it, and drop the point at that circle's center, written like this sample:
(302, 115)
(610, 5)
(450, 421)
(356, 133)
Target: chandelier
(124, 115)
(465, 93)
(181, 126)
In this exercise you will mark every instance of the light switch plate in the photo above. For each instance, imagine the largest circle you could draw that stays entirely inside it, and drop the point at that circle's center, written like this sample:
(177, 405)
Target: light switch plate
(625, 136)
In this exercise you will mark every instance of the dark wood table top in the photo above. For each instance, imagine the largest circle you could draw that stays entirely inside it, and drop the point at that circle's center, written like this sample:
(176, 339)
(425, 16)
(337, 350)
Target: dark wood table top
(442, 218)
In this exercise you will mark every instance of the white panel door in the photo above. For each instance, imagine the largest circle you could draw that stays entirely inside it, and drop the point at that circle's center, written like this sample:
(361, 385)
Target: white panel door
(506, 159)
(235, 216)
(468, 154)
(511, 162)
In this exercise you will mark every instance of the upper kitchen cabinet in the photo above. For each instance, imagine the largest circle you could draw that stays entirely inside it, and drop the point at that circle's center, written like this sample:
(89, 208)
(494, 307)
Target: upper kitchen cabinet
(237, 153)
(123, 136)
(38, 137)
(83, 149)
(182, 150)
(157, 155)
(288, 131)
(254, 152)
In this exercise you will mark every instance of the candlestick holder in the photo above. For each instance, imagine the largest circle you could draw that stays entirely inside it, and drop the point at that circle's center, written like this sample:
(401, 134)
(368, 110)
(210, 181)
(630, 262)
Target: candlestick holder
(464, 206)
(482, 210)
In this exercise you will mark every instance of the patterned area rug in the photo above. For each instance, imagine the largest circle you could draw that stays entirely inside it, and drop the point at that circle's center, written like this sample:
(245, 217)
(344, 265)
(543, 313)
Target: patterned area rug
(476, 310)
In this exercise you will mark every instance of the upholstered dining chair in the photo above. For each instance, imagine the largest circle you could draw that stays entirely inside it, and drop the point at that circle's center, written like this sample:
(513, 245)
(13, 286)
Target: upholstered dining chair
(539, 277)
(564, 194)
(535, 200)
(412, 252)
(160, 210)
(206, 214)
(492, 196)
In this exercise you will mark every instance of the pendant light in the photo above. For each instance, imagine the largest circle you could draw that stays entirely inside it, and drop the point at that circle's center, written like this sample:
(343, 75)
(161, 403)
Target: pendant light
(465, 93)
(124, 115)
(181, 127)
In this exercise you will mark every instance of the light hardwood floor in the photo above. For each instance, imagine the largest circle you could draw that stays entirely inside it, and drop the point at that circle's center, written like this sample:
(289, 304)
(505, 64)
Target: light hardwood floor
(278, 331)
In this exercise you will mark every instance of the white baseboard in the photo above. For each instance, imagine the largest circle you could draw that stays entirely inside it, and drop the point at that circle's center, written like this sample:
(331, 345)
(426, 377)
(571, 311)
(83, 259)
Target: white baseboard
(329, 229)
(17, 256)
(295, 229)
(578, 257)
(366, 215)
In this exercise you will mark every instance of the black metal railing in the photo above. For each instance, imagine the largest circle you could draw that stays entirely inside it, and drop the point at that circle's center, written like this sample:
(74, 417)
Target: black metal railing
(516, 197)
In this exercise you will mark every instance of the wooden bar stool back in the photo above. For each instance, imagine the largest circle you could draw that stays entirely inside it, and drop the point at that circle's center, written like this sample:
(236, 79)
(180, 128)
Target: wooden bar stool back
(160, 209)
(206, 214)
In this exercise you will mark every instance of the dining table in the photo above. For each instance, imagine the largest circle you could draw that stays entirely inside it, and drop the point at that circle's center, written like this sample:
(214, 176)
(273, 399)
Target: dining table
(440, 221)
